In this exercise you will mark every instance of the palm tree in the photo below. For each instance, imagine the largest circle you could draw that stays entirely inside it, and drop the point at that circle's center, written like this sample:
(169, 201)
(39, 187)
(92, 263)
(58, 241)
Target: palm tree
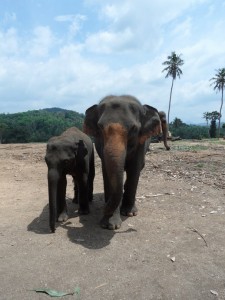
(206, 116)
(219, 83)
(173, 69)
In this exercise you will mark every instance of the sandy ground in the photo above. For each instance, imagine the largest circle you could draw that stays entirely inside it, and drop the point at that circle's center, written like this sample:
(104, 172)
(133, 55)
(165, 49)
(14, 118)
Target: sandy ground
(173, 249)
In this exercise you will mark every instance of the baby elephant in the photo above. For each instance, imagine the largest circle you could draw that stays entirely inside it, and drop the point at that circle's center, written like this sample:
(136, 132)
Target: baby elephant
(70, 153)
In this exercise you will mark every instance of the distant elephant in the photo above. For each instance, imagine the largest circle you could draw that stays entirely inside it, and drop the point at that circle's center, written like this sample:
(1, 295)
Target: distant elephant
(70, 153)
(121, 125)
(164, 134)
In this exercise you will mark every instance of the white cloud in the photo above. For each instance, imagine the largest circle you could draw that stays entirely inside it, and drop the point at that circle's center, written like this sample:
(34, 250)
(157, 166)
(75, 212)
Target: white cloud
(143, 20)
(108, 42)
(75, 23)
(41, 42)
(183, 29)
(9, 42)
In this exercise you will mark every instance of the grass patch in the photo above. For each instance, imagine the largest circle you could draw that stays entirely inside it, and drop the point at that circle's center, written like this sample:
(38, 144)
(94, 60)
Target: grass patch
(199, 165)
(190, 148)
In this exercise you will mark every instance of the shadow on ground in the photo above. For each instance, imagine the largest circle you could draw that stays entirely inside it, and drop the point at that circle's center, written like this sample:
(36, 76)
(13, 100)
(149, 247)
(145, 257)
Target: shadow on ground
(88, 234)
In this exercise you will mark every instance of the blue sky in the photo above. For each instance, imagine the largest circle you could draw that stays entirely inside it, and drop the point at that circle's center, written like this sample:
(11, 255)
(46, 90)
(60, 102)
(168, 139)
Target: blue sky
(71, 53)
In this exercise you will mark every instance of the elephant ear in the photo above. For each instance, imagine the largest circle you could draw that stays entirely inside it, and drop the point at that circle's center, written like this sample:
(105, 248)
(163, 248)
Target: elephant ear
(80, 150)
(151, 124)
(90, 121)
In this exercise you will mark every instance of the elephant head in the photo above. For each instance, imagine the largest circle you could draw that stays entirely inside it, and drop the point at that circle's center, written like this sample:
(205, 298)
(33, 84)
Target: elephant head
(120, 126)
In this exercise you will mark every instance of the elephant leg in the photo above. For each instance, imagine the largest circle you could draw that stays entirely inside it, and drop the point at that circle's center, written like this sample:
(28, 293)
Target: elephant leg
(91, 176)
(106, 183)
(83, 194)
(76, 192)
(128, 207)
(133, 170)
(111, 219)
(111, 222)
(61, 200)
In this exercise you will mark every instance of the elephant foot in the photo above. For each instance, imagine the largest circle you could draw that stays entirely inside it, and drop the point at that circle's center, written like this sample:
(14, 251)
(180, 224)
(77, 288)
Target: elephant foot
(128, 211)
(111, 223)
(63, 217)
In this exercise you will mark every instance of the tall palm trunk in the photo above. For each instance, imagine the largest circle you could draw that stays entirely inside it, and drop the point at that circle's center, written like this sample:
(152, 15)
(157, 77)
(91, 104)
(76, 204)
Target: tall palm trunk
(171, 90)
(221, 106)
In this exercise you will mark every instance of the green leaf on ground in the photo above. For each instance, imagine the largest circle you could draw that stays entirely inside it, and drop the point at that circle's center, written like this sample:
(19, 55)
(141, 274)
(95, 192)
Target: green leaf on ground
(54, 293)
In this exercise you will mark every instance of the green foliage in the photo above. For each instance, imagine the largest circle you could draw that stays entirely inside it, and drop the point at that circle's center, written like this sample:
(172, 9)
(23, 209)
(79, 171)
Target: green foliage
(184, 131)
(190, 132)
(219, 82)
(173, 65)
(37, 125)
(197, 132)
(177, 123)
(173, 70)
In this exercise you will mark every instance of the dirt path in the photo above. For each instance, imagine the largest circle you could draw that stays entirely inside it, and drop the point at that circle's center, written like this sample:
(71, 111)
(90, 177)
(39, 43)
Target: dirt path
(173, 249)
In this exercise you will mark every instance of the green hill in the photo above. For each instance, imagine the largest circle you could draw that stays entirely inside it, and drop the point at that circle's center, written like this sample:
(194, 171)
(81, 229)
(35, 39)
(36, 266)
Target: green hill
(37, 125)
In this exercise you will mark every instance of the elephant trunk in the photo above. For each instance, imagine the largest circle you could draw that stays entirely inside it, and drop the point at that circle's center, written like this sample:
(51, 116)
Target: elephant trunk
(53, 178)
(165, 135)
(162, 116)
(114, 153)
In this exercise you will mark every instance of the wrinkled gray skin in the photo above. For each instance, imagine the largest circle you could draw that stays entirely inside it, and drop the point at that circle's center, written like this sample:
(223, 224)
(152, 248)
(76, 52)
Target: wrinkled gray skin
(70, 153)
(163, 136)
(162, 116)
(121, 126)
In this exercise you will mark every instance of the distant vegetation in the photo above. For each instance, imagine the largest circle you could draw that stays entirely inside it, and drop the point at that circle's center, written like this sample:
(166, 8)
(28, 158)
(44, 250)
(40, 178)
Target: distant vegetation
(40, 125)
(184, 131)
(37, 125)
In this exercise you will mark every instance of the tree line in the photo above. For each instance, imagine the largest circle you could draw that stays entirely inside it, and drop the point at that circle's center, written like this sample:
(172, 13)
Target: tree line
(37, 125)
(185, 131)
(40, 125)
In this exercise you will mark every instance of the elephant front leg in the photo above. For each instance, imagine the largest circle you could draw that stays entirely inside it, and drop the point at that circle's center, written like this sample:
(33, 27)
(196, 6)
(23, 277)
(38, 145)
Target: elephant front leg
(61, 200)
(76, 192)
(128, 207)
(113, 195)
(111, 222)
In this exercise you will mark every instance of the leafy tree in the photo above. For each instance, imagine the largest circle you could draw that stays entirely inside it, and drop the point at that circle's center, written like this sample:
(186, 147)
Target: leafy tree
(212, 129)
(219, 82)
(206, 116)
(177, 123)
(173, 70)
(38, 125)
(213, 117)
(3, 127)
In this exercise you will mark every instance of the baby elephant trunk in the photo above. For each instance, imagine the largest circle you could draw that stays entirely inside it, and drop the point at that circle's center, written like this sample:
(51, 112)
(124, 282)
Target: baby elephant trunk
(53, 178)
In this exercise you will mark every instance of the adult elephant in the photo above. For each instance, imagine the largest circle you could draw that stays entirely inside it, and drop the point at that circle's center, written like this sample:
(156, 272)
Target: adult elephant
(162, 116)
(70, 153)
(121, 126)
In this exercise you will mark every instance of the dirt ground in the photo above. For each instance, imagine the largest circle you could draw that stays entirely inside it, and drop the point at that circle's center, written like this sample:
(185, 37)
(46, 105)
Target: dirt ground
(173, 249)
